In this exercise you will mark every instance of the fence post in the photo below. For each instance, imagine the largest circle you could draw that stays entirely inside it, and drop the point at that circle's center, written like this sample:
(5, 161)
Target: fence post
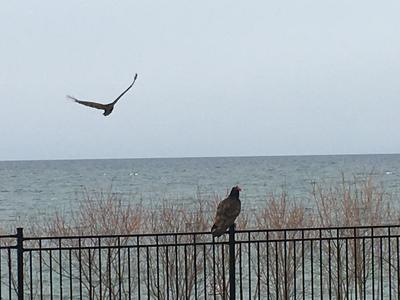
(20, 262)
(232, 271)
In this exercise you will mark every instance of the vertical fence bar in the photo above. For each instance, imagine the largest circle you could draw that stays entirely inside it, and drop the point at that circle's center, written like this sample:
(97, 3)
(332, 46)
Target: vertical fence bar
(148, 272)
(177, 269)
(167, 270)
(129, 274)
(381, 265)
(347, 269)
(60, 269)
(100, 267)
(119, 268)
(398, 266)
(213, 268)
(224, 287)
(320, 265)
(364, 276)
(109, 273)
(186, 272)
(80, 268)
(249, 262)
(258, 271)
(312, 268)
(158, 267)
(232, 272)
(285, 265)
(9, 274)
(276, 271)
(30, 275)
(20, 262)
(355, 262)
(338, 263)
(390, 265)
(241, 272)
(294, 270)
(302, 265)
(195, 266)
(205, 272)
(1, 280)
(267, 245)
(51, 274)
(329, 270)
(40, 270)
(373, 264)
(138, 266)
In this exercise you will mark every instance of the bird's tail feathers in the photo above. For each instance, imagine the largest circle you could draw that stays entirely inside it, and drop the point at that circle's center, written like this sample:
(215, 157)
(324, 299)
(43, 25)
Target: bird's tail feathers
(215, 232)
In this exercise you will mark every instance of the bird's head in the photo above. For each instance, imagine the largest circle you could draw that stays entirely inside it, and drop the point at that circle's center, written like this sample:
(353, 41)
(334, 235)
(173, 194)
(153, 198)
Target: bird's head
(108, 111)
(235, 191)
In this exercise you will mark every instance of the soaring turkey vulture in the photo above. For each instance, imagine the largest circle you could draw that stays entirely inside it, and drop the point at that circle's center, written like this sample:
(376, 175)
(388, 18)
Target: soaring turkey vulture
(227, 211)
(108, 108)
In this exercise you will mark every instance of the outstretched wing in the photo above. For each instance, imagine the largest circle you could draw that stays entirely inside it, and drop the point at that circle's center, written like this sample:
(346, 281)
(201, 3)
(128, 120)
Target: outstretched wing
(123, 93)
(88, 103)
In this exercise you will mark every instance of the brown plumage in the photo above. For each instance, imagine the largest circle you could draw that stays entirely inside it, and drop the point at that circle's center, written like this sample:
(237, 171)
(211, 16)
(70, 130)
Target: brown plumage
(227, 212)
(108, 108)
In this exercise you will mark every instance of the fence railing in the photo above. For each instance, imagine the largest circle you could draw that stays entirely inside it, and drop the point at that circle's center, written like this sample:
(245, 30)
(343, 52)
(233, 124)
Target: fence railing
(299, 263)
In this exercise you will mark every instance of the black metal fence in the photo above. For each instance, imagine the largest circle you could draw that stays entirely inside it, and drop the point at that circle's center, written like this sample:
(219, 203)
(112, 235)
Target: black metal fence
(302, 263)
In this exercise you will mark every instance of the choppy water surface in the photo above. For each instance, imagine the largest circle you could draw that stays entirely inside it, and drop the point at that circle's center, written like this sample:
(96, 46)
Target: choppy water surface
(32, 188)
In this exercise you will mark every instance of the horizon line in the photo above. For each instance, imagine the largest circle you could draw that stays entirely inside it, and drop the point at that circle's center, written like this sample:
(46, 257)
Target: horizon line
(185, 157)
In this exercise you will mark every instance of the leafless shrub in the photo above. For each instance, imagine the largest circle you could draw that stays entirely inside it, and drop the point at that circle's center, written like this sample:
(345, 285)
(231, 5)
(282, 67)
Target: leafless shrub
(357, 203)
(280, 213)
(98, 214)
(182, 264)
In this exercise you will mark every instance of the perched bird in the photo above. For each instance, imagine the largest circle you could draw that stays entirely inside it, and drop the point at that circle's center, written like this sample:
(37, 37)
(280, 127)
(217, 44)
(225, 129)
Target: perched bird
(108, 108)
(227, 211)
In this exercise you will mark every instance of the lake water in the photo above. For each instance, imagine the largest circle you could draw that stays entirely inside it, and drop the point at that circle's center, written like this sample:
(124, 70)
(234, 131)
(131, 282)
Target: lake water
(34, 188)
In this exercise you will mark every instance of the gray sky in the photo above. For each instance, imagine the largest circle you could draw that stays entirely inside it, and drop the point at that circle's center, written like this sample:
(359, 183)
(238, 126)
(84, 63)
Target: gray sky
(215, 78)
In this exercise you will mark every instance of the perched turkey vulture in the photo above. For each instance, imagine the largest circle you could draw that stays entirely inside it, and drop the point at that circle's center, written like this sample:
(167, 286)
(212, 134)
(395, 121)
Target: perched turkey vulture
(108, 108)
(227, 211)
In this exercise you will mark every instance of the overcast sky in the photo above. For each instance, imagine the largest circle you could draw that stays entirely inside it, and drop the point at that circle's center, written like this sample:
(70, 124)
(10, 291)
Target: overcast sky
(215, 78)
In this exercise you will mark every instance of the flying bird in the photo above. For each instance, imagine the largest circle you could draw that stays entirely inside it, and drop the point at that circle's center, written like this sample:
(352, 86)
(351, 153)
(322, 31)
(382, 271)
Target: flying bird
(227, 211)
(108, 108)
